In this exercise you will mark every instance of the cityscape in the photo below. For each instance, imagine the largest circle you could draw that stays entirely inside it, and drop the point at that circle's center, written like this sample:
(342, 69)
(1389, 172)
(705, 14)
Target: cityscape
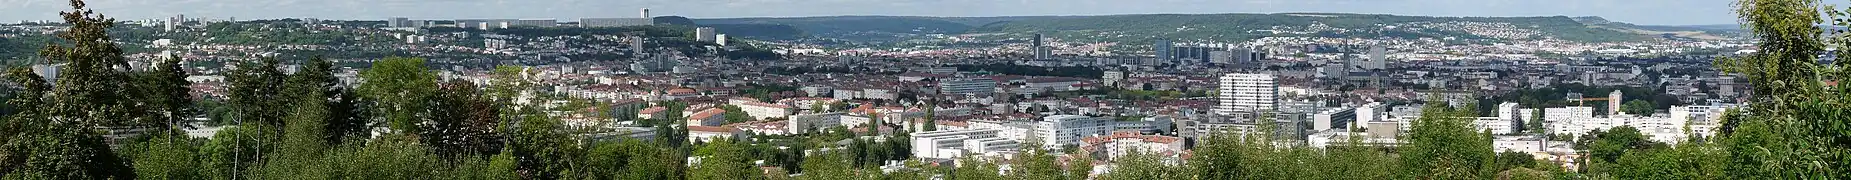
(656, 95)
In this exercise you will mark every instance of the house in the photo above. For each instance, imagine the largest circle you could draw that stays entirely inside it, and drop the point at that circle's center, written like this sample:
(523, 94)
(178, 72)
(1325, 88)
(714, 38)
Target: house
(711, 133)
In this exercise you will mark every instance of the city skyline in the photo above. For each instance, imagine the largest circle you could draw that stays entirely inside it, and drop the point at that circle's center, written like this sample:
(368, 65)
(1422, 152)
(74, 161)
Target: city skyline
(1699, 12)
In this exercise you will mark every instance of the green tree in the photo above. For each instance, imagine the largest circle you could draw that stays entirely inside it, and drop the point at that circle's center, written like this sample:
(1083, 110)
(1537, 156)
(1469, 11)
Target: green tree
(734, 114)
(167, 157)
(723, 160)
(1794, 127)
(1145, 166)
(402, 88)
(1443, 145)
(168, 95)
(58, 140)
(1638, 108)
(463, 122)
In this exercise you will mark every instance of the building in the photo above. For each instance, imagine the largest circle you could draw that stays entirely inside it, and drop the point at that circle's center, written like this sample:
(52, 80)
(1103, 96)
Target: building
(1057, 131)
(536, 23)
(1162, 48)
(1614, 100)
(398, 22)
(1122, 143)
(967, 86)
(948, 144)
(709, 117)
(719, 39)
(807, 122)
(761, 110)
(1247, 93)
(1495, 125)
(615, 22)
(1112, 78)
(705, 34)
(1378, 58)
(711, 133)
(1333, 118)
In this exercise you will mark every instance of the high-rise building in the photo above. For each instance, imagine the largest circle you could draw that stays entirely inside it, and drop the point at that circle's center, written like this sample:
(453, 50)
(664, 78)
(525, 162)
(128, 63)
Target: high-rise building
(1250, 93)
(398, 22)
(1378, 58)
(646, 14)
(1041, 51)
(719, 39)
(1614, 100)
(704, 34)
(1163, 48)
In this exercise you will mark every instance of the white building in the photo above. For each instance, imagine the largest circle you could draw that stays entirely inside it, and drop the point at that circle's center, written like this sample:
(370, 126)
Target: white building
(805, 123)
(1122, 143)
(1494, 125)
(948, 144)
(1061, 130)
(1325, 120)
(704, 34)
(709, 117)
(761, 110)
(1247, 93)
(711, 133)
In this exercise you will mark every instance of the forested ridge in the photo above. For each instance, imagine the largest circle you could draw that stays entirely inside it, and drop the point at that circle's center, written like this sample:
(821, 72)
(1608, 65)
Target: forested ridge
(307, 125)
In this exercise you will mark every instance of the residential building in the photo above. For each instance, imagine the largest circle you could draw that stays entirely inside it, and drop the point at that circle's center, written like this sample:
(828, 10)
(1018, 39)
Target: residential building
(615, 22)
(1247, 93)
(711, 133)
(1060, 130)
(705, 34)
(1122, 143)
(761, 110)
(708, 117)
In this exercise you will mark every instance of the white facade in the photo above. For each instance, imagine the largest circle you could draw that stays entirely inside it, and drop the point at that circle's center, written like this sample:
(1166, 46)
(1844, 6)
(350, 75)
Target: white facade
(1494, 125)
(948, 144)
(1060, 130)
(704, 34)
(803, 123)
(1247, 93)
(762, 111)
(1324, 120)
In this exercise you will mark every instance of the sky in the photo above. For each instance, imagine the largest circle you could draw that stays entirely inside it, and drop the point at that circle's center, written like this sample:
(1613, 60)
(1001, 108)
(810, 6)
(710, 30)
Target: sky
(1652, 12)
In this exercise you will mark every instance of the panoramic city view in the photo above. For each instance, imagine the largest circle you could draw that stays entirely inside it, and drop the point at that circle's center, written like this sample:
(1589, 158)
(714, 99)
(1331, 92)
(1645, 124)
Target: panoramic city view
(924, 89)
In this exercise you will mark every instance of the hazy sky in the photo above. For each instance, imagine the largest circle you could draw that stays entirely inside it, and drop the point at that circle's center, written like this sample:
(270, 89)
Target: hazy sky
(1660, 12)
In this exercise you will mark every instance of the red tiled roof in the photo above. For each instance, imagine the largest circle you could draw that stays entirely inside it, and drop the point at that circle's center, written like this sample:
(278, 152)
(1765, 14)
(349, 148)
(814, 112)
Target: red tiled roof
(709, 113)
(709, 129)
(652, 110)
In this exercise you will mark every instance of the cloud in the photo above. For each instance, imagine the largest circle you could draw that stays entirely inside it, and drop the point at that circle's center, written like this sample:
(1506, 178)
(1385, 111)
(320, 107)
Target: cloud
(1636, 11)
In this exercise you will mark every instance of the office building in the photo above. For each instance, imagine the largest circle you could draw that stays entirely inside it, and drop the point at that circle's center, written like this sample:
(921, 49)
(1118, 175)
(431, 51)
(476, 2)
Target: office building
(704, 34)
(1247, 93)
(646, 14)
(967, 86)
(1060, 130)
(1042, 51)
(1162, 48)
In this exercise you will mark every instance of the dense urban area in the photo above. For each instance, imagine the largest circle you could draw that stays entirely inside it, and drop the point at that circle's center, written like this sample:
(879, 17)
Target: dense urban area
(1267, 96)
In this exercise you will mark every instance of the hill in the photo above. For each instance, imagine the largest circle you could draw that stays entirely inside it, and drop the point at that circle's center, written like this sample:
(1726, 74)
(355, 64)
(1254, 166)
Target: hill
(1222, 27)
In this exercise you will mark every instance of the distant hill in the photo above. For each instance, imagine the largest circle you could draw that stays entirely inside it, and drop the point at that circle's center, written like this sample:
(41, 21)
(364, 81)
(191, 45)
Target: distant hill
(1212, 27)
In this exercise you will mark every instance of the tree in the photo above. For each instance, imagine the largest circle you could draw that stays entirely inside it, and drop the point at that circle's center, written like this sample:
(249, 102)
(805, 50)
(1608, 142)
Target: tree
(1144, 166)
(1443, 145)
(402, 87)
(463, 122)
(1793, 129)
(167, 157)
(58, 140)
(168, 95)
(723, 160)
(1638, 108)
(734, 114)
